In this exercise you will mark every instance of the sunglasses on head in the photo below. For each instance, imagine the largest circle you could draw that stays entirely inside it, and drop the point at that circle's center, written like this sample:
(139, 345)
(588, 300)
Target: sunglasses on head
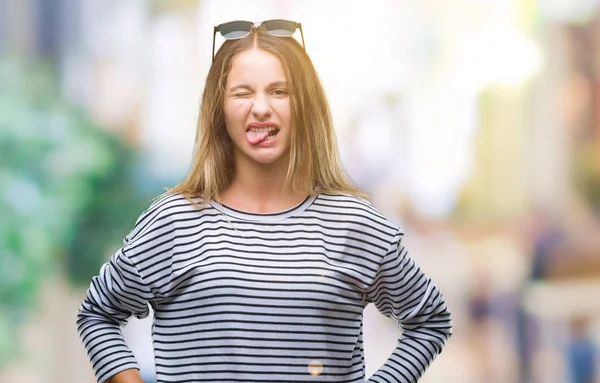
(233, 30)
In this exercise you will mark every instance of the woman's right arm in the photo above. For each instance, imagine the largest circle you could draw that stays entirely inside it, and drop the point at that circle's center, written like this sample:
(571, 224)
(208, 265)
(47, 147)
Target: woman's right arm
(117, 293)
(123, 288)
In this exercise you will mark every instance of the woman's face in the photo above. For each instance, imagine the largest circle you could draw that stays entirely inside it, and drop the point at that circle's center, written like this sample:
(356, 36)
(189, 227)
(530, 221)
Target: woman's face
(257, 109)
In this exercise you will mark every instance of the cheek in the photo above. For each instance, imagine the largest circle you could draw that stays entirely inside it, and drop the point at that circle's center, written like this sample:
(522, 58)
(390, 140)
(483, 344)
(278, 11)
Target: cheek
(228, 111)
(285, 110)
(236, 111)
(236, 116)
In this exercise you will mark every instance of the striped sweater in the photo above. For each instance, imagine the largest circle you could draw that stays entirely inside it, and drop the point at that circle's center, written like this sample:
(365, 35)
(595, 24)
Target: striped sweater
(245, 297)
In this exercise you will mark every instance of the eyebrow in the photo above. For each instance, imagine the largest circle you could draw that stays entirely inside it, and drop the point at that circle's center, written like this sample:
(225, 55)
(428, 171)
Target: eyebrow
(276, 84)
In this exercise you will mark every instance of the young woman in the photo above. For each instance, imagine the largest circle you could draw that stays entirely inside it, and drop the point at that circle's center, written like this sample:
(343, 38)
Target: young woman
(258, 266)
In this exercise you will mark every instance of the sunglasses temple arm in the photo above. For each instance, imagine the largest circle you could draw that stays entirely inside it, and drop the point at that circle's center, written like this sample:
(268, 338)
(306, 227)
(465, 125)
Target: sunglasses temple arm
(213, 45)
(302, 35)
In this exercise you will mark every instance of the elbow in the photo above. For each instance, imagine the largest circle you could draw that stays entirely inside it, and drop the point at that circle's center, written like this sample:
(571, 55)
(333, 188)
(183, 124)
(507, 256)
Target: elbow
(444, 322)
(440, 325)
(89, 317)
(434, 327)
(439, 329)
(442, 319)
(83, 320)
(86, 313)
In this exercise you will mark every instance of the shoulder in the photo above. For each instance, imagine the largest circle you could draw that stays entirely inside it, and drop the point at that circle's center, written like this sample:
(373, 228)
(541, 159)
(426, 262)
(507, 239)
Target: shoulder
(162, 212)
(170, 203)
(355, 209)
(349, 204)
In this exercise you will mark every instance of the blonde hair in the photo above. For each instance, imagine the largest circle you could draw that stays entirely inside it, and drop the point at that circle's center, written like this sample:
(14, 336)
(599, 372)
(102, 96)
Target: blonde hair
(314, 164)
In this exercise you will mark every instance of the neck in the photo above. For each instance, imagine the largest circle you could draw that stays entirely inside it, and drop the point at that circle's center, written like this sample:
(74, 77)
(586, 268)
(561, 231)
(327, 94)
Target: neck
(260, 188)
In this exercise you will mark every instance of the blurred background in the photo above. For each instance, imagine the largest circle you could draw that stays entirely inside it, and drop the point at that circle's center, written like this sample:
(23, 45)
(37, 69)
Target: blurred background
(474, 124)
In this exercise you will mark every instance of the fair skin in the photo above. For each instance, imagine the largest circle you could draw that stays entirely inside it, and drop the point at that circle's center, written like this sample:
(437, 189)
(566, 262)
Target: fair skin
(258, 118)
(256, 99)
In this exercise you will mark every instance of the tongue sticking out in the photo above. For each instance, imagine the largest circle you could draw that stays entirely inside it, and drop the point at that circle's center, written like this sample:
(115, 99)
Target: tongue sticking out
(256, 137)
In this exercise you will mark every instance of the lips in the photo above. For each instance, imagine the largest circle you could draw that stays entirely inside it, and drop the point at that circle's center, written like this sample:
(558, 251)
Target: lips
(258, 132)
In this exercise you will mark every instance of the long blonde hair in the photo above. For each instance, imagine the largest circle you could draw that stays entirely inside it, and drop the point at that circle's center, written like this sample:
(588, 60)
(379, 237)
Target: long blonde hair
(314, 164)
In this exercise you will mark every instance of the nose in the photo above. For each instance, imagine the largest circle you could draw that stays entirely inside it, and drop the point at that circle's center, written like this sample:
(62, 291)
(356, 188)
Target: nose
(261, 107)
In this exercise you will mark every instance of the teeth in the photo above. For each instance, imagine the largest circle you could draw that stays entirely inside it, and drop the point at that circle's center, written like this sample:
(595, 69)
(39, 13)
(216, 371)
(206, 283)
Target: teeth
(269, 129)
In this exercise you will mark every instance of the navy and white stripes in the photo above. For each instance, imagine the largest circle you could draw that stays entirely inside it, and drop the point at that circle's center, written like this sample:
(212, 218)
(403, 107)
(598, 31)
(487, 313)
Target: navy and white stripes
(241, 297)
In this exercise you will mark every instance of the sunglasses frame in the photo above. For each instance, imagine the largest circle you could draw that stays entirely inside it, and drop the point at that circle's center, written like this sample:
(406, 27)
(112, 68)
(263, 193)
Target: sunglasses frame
(252, 26)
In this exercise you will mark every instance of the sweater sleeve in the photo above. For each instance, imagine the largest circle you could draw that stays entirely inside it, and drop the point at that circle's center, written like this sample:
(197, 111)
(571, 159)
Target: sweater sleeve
(400, 290)
(117, 293)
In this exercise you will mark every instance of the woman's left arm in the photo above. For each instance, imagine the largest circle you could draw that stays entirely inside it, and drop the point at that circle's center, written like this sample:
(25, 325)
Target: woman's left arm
(400, 290)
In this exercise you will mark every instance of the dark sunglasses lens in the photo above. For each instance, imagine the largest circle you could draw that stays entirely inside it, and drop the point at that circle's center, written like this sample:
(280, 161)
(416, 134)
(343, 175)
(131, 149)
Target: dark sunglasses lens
(280, 27)
(235, 29)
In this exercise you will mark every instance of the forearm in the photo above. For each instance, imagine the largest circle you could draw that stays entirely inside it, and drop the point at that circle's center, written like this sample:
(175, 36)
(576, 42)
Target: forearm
(105, 345)
(402, 291)
(114, 295)
(128, 376)
(408, 362)
(417, 348)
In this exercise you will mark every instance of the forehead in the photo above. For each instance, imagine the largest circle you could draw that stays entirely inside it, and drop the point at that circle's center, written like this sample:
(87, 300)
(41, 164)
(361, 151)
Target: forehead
(254, 64)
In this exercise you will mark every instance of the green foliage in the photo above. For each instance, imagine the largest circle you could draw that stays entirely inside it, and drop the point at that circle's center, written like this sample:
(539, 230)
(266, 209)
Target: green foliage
(65, 192)
(111, 212)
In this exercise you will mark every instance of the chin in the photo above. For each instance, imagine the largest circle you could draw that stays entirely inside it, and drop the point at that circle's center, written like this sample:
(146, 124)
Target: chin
(269, 158)
(267, 161)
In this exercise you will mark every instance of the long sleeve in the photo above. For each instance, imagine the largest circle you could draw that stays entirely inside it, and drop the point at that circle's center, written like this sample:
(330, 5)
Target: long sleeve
(117, 293)
(400, 290)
